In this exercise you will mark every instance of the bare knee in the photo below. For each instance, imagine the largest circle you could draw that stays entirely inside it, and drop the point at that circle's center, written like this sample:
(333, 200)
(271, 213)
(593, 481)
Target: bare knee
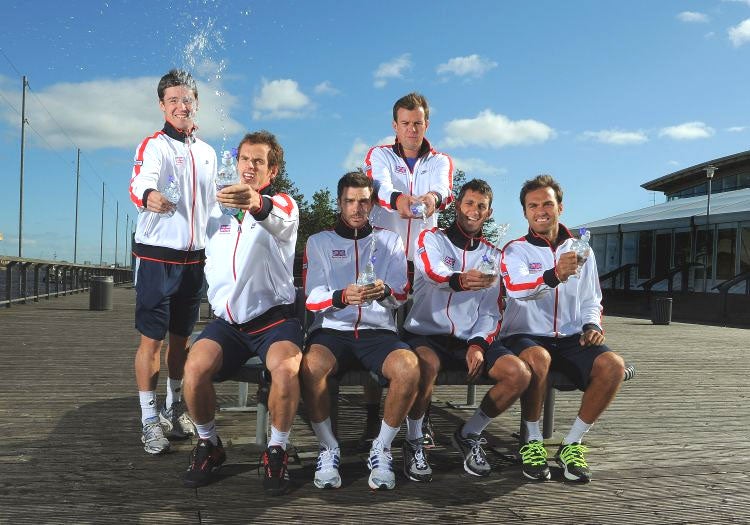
(403, 367)
(204, 360)
(608, 367)
(537, 359)
(283, 361)
(317, 364)
(511, 372)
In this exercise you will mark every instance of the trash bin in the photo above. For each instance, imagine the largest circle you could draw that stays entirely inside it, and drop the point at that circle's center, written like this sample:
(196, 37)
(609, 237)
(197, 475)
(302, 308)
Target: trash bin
(100, 292)
(661, 313)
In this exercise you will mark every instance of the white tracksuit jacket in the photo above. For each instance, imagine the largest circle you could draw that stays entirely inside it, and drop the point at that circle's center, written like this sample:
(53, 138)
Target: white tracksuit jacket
(537, 302)
(180, 238)
(441, 306)
(391, 176)
(334, 258)
(249, 263)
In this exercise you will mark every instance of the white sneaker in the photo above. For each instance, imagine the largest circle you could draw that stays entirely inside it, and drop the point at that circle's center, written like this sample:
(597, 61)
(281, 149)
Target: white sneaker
(154, 441)
(176, 422)
(327, 469)
(380, 463)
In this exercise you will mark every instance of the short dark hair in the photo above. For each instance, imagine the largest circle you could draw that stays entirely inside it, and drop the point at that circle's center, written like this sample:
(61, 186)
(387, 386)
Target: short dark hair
(478, 185)
(176, 77)
(276, 152)
(538, 182)
(354, 179)
(411, 102)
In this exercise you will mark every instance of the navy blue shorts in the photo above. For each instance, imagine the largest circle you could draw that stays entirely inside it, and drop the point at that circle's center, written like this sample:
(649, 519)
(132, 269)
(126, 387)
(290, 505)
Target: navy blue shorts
(238, 346)
(167, 298)
(452, 351)
(568, 356)
(369, 350)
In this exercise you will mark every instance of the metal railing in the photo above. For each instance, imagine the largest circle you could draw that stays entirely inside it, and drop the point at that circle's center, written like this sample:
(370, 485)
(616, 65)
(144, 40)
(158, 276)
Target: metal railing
(24, 279)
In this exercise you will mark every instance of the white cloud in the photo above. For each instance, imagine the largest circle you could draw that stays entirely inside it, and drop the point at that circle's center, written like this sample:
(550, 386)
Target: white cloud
(740, 33)
(692, 17)
(110, 113)
(280, 99)
(673, 163)
(356, 156)
(495, 131)
(326, 88)
(474, 167)
(615, 136)
(736, 129)
(687, 131)
(472, 65)
(393, 69)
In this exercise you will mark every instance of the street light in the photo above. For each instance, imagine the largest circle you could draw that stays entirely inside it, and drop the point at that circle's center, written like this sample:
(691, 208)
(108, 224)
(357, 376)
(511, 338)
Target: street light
(710, 170)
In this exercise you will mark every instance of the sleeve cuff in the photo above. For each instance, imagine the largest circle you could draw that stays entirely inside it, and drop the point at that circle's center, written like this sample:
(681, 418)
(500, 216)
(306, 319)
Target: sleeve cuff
(550, 279)
(478, 341)
(386, 293)
(144, 199)
(265, 209)
(394, 199)
(592, 326)
(455, 282)
(438, 199)
(338, 299)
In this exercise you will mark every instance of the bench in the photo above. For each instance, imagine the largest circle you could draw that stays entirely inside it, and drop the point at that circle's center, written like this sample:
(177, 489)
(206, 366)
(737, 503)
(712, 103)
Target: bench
(254, 372)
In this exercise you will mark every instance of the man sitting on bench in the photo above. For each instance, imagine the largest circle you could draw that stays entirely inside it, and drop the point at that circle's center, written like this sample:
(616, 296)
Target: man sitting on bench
(552, 319)
(355, 277)
(454, 319)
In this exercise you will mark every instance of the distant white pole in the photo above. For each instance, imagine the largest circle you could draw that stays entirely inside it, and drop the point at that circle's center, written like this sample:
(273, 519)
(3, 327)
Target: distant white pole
(710, 170)
(101, 235)
(117, 222)
(20, 192)
(78, 178)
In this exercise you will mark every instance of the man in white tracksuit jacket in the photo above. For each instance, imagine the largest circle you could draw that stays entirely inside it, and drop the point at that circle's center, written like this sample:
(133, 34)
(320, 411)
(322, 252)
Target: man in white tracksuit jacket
(454, 320)
(552, 319)
(251, 291)
(354, 326)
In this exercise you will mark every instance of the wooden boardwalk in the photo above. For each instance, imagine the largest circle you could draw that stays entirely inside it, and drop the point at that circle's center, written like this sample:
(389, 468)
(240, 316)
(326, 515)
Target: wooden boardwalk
(672, 449)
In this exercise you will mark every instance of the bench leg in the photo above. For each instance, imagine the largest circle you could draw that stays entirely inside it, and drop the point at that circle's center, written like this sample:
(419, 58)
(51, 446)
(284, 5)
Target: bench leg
(471, 399)
(261, 424)
(548, 425)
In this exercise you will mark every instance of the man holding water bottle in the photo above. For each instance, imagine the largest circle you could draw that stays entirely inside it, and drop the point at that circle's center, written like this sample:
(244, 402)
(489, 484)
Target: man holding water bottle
(172, 185)
(552, 320)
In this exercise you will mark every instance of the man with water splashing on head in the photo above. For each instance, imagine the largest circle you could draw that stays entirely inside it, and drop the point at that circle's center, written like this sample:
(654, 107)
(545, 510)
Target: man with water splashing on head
(552, 319)
(172, 185)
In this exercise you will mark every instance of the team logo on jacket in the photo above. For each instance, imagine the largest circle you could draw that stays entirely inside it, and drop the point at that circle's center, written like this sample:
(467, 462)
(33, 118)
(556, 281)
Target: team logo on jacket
(535, 267)
(138, 163)
(180, 161)
(400, 169)
(338, 254)
(449, 261)
(225, 228)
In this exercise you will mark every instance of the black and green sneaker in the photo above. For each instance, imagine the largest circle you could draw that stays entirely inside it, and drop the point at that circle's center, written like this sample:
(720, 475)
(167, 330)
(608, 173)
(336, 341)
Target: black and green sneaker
(570, 458)
(534, 460)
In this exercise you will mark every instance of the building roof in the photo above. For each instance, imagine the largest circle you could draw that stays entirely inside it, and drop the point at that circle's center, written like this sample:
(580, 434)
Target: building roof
(696, 172)
(725, 207)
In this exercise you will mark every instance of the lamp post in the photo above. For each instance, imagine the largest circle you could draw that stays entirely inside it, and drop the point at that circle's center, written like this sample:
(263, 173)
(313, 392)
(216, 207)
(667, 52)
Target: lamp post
(710, 170)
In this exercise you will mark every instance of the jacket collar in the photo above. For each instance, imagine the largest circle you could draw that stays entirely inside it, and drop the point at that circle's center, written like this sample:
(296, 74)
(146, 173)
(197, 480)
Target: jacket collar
(424, 149)
(176, 134)
(460, 239)
(347, 232)
(562, 235)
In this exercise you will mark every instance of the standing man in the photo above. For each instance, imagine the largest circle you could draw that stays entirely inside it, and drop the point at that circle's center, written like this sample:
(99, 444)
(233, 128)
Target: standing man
(251, 289)
(553, 320)
(355, 324)
(406, 174)
(169, 242)
(454, 320)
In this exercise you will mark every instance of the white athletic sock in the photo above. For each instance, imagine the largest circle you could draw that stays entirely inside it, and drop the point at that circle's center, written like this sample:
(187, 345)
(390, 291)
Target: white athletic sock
(533, 432)
(577, 431)
(278, 438)
(414, 428)
(208, 431)
(149, 409)
(387, 433)
(324, 433)
(174, 391)
(476, 423)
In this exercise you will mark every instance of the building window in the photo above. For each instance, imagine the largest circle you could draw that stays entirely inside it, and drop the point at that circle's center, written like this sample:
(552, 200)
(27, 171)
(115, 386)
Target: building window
(704, 254)
(663, 253)
(745, 249)
(726, 253)
(743, 181)
(645, 249)
(682, 244)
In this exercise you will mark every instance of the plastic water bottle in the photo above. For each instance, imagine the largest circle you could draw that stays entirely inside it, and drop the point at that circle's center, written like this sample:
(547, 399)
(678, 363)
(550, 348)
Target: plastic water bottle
(487, 266)
(581, 247)
(227, 176)
(367, 277)
(418, 209)
(171, 192)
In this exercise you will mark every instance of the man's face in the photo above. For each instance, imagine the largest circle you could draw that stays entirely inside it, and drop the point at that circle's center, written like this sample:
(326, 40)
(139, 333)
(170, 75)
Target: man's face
(472, 212)
(252, 165)
(179, 106)
(410, 127)
(542, 211)
(355, 205)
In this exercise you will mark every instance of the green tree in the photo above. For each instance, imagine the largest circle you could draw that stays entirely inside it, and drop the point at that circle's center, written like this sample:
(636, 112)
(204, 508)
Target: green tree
(448, 215)
(320, 215)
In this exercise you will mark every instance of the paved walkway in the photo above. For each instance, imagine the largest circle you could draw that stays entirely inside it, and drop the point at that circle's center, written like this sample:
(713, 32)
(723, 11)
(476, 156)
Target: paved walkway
(671, 449)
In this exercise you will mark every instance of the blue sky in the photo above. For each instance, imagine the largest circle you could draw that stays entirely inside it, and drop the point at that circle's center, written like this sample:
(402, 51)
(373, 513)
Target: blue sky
(603, 95)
